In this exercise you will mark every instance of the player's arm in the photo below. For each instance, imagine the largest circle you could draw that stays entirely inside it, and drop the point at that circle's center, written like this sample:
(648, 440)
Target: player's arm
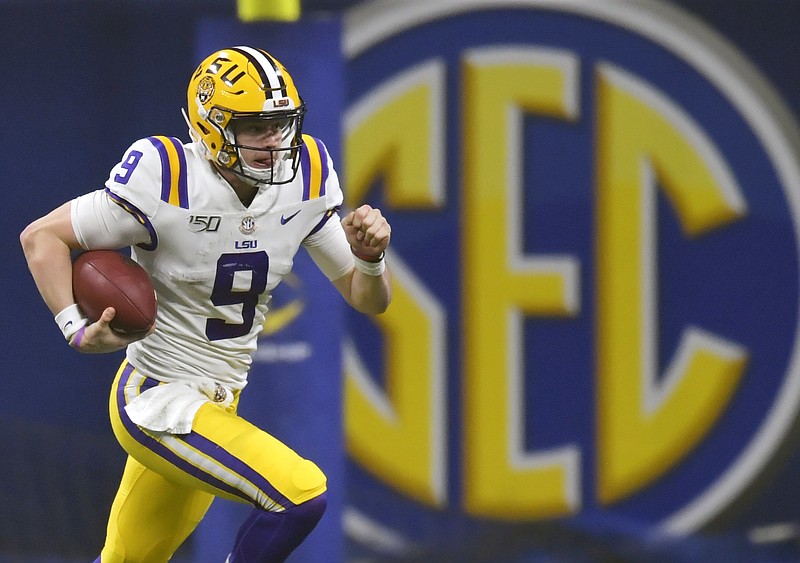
(368, 286)
(47, 244)
(91, 221)
(351, 252)
(365, 283)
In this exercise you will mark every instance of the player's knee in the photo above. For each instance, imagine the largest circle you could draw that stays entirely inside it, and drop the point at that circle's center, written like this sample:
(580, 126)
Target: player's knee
(312, 499)
(306, 515)
(308, 480)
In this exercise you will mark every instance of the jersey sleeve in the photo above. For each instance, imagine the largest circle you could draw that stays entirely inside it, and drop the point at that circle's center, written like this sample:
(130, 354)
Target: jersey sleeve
(320, 179)
(329, 249)
(333, 191)
(152, 170)
(100, 223)
(326, 243)
(138, 179)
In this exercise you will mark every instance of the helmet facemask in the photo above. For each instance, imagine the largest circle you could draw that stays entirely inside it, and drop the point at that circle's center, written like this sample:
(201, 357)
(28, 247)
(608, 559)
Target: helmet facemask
(273, 162)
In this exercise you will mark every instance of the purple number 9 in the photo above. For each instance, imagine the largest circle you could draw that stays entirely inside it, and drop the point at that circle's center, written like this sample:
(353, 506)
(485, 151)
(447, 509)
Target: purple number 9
(128, 165)
(228, 265)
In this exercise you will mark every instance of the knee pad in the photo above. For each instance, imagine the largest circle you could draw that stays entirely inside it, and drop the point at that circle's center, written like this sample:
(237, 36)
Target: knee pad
(308, 480)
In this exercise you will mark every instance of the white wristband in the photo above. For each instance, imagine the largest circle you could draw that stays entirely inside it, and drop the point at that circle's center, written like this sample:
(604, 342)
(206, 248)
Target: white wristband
(370, 268)
(70, 320)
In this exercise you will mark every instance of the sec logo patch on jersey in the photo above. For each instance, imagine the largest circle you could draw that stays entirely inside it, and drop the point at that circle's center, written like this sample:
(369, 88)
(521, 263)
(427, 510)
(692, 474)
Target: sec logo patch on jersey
(612, 327)
(248, 225)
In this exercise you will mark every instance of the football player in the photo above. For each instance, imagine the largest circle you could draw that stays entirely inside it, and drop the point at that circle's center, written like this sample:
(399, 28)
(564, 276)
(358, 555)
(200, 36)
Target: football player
(216, 223)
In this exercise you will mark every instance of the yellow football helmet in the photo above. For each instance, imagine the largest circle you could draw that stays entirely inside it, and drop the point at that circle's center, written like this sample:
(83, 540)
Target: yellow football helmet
(243, 83)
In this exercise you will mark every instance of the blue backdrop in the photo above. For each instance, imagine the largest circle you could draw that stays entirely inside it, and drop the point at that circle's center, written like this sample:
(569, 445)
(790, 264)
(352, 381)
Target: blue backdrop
(83, 79)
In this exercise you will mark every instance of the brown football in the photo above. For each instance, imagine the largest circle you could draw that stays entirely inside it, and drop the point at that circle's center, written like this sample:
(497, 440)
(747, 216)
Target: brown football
(107, 278)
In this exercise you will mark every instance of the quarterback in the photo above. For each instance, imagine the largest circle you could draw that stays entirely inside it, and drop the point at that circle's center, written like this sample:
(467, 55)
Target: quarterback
(216, 223)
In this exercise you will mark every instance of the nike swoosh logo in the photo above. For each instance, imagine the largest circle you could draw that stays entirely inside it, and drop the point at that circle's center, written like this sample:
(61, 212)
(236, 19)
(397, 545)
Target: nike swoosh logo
(285, 220)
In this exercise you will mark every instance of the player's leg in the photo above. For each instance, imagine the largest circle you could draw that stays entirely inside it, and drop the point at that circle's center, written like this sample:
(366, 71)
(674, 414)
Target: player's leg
(151, 517)
(267, 537)
(227, 456)
(288, 491)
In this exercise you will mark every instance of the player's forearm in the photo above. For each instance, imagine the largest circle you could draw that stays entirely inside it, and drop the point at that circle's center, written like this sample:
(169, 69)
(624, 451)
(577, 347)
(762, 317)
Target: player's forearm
(371, 294)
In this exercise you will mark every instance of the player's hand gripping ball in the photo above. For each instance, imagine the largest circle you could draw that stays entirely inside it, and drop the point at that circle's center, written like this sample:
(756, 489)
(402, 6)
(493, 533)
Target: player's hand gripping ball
(106, 278)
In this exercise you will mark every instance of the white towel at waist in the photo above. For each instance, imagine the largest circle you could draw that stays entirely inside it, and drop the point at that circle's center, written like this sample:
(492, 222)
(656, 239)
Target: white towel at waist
(171, 407)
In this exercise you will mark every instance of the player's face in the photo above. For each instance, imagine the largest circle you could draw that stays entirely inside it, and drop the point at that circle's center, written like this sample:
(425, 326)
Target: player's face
(256, 138)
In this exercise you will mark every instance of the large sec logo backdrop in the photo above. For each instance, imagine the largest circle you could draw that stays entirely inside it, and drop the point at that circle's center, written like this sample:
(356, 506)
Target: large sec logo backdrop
(595, 251)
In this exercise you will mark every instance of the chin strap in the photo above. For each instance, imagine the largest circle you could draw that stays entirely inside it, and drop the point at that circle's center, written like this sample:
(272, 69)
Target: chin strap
(195, 136)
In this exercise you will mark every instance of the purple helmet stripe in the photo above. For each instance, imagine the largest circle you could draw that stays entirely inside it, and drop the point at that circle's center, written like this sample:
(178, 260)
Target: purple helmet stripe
(255, 56)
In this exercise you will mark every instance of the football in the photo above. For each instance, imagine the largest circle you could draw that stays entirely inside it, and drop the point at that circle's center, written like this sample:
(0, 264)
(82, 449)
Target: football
(106, 278)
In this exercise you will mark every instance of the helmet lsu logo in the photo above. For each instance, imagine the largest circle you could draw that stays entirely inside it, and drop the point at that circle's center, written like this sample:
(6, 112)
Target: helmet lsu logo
(205, 89)
(637, 154)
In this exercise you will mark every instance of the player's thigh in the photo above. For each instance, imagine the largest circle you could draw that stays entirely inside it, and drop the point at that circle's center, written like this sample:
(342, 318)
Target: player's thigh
(224, 454)
(151, 516)
(273, 471)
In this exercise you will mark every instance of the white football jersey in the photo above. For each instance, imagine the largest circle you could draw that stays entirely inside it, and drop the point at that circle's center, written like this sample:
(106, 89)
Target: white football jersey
(213, 261)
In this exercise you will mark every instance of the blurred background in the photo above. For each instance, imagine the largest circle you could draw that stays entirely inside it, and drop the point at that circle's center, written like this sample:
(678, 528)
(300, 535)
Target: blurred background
(592, 351)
